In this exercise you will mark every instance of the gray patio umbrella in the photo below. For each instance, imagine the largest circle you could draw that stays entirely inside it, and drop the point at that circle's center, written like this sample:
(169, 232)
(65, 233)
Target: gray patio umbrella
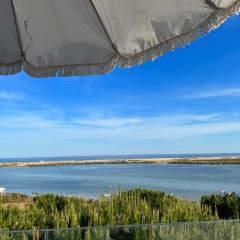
(75, 37)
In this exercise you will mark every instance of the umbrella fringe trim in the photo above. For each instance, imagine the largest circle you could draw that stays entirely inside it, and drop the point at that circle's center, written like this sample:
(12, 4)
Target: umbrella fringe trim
(215, 20)
(12, 68)
(69, 70)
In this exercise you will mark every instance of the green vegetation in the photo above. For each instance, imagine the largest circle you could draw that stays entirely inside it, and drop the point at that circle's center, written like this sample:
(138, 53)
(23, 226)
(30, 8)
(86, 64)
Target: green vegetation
(189, 231)
(14, 198)
(19, 212)
(131, 207)
(226, 206)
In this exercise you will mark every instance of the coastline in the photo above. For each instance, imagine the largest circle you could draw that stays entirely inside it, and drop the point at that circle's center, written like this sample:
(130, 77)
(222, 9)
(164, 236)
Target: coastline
(186, 160)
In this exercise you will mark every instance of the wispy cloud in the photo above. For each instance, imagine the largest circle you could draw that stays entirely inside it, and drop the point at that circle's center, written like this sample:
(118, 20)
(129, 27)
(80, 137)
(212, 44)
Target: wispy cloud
(9, 96)
(223, 92)
(175, 126)
(28, 121)
(107, 122)
(185, 119)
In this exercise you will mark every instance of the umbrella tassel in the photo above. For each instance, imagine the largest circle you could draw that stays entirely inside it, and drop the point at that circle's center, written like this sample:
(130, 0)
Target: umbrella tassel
(13, 68)
(213, 22)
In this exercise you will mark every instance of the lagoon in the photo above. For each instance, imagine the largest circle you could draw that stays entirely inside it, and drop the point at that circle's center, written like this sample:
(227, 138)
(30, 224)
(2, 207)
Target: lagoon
(188, 181)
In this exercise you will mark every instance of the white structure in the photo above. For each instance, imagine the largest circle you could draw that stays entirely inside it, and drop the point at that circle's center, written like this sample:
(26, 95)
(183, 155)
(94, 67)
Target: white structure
(107, 195)
(2, 190)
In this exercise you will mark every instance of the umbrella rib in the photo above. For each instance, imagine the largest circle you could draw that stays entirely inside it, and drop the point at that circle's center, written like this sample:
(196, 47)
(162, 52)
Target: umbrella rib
(18, 35)
(211, 4)
(103, 26)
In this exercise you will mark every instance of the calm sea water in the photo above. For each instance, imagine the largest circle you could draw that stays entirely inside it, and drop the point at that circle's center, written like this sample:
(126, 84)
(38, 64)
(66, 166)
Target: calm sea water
(189, 181)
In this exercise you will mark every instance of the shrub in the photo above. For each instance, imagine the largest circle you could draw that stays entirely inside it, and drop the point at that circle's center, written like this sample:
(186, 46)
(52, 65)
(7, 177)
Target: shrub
(227, 206)
(122, 208)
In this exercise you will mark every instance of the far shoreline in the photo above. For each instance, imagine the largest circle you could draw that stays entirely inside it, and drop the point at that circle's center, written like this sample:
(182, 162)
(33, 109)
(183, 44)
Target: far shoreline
(184, 160)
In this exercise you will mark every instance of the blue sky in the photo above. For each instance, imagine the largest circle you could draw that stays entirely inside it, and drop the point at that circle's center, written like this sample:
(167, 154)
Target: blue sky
(187, 101)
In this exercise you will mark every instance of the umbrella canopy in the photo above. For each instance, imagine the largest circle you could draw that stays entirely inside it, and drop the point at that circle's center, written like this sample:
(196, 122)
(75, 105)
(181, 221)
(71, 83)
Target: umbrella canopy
(75, 37)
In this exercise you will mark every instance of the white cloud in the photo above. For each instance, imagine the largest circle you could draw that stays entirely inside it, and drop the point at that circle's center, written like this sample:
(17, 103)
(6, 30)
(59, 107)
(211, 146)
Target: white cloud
(170, 127)
(183, 119)
(107, 122)
(9, 96)
(27, 122)
(227, 92)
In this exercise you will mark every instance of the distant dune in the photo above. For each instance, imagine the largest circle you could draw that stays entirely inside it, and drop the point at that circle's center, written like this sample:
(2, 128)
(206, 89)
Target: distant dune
(187, 160)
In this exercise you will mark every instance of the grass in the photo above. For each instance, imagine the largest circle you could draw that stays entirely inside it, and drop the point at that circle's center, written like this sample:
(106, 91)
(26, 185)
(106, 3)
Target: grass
(122, 208)
(188, 231)
(139, 206)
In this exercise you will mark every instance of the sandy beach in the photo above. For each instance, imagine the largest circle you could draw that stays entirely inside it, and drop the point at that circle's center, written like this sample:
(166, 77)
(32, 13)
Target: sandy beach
(197, 160)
